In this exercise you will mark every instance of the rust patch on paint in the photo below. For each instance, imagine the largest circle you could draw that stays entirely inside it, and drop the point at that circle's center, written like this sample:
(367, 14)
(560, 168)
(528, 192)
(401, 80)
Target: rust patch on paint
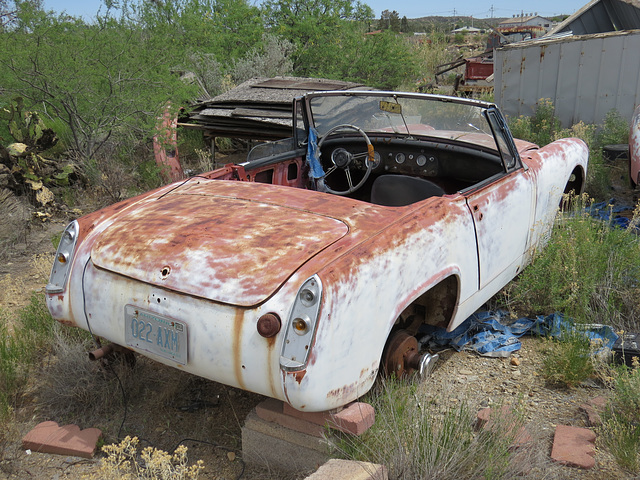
(299, 375)
(238, 322)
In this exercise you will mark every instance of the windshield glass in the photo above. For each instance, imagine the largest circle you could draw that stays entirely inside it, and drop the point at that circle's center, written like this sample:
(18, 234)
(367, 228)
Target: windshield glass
(417, 115)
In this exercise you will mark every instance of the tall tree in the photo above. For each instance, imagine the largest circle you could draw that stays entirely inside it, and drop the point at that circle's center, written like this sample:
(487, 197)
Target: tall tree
(389, 20)
(404, 25)
(314, 26)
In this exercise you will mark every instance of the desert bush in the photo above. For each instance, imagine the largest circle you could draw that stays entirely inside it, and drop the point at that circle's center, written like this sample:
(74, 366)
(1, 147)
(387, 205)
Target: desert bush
(620, 431)
(123, 461)
(588, 271)
(614, 129)
(24, 339)
(544, 127)
(541, 128)
(416, 436)
(433, 53)
(272, 59)
(74, 389)
(568, 360)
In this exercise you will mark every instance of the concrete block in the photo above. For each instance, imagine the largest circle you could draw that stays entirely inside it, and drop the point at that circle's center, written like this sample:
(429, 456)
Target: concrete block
(336, 469)
(49, 437)
(271, 445)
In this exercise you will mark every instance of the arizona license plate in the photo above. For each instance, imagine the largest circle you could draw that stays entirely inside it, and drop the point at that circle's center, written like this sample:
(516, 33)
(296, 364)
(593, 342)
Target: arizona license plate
(155, 334)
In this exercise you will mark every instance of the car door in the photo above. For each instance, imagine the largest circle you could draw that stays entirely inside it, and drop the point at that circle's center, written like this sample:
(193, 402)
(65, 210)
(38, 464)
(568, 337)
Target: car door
(502, 210)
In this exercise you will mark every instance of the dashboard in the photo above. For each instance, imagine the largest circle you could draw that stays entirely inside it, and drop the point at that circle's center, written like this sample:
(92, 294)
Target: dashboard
(420, 158)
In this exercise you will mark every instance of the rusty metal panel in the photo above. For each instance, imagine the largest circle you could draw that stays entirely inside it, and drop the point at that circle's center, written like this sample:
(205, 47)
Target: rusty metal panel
(585, 76)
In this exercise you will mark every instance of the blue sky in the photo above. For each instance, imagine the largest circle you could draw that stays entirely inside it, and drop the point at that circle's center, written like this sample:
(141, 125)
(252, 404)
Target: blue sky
(410, 9)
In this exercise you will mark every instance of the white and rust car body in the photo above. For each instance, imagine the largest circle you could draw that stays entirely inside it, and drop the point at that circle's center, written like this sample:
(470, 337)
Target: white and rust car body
(261, 277)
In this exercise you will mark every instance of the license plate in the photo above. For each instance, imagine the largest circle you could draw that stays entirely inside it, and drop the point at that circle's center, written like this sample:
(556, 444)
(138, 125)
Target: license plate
(155, 334)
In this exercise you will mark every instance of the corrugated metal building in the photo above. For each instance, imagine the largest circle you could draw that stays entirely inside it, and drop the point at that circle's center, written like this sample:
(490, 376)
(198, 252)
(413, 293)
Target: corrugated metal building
(586, 66)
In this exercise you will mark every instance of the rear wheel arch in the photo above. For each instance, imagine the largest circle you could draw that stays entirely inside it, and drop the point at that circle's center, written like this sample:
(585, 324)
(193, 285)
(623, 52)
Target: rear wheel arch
(575, 182)
(435, 306)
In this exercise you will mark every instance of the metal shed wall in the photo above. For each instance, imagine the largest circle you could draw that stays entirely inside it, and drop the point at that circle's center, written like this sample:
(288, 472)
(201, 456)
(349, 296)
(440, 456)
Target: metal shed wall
(600, 16)
(584, 76)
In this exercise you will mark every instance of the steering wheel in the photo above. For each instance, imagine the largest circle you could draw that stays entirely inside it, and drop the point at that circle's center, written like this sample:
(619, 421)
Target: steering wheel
(341, 159)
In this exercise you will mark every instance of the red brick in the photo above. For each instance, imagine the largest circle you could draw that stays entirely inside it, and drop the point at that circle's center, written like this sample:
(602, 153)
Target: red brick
(271, 410)
(574, 446)
(49, 437)
(522, 437)
(593, 418)
(355, 418)
(599, 403)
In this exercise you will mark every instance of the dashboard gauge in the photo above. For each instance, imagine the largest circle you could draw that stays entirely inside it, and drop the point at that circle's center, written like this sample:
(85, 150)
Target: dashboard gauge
(400, 158)
(421, 160)
(376, 159)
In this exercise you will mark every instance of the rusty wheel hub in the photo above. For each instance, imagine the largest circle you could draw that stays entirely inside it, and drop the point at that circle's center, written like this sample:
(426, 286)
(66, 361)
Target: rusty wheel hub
(401, 357)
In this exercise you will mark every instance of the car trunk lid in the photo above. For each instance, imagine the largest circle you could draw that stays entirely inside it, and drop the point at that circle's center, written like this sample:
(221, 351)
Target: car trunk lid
(213, 245)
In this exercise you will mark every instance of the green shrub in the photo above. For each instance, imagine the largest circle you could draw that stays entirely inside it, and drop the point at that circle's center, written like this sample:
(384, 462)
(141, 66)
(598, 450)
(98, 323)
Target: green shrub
(23, 340)
(418, 437)
(615, 129)
(568, 360)
(541, 128)
(620, 431)
(588, 271)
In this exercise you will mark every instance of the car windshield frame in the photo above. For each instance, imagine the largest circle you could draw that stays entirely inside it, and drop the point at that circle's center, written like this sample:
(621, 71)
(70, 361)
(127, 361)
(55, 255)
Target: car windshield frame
(380, 113)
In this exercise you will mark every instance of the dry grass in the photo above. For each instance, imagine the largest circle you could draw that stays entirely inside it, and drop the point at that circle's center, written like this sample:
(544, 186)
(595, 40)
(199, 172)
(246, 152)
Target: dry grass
(421, 433)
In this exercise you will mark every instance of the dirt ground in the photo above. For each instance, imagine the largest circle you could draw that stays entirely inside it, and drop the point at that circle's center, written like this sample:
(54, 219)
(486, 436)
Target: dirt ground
(164, 407)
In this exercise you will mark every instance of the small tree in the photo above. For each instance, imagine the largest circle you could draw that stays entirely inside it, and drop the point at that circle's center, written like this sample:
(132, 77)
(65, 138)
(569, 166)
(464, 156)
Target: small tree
(99, 79)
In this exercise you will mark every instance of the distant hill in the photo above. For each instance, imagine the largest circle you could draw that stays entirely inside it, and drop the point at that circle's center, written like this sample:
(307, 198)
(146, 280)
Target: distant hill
(446, 24)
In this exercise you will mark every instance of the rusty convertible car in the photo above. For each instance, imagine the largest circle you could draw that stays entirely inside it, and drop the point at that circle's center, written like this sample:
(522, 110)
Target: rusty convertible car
(304, 271)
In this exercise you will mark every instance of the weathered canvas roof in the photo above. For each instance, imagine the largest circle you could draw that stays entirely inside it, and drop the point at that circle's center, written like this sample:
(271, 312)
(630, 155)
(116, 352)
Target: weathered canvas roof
(259, 109)
(602, 16)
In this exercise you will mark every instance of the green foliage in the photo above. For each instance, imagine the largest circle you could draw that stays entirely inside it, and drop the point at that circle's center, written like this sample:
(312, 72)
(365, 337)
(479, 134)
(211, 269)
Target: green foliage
(381, 61)
(272, 58)
(541, 128)
(615, 129)
(418, 435)
(23, 340)
(431, 54)
(317, 29)
(390, 20)
(27, 127)
(568, 361)
(620, 431)
(622, 439)
(544, 127)
(589, 271)
(100, 80)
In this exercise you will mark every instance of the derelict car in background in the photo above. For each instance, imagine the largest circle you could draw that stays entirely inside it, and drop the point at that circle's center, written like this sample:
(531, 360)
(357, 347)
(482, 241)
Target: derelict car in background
(302, 272)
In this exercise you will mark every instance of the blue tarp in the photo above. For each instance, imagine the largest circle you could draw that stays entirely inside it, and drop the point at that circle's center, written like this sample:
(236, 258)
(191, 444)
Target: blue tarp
(607, 211)
(493, 334)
